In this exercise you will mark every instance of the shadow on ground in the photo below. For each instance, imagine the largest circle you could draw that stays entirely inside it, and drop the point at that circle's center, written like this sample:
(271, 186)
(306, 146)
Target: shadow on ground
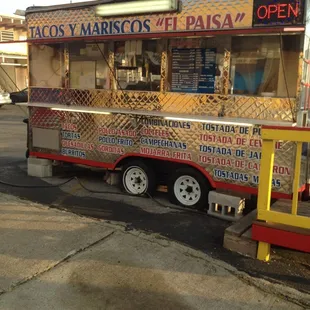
(195, 230)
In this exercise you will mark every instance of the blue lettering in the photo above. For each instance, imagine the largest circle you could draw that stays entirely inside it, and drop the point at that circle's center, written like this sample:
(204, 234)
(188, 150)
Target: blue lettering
(96, 29)
(61, 30)
(38, 33)
(146, 25)
(104, 26)
(123, 25)
(85, 31)
(275, 182)
(163, 143)
(72, 29)
(69, 135)
(255, 179)
(240, 153)
(73, 153)
(44, 34)
(219, 128)
(139, 26)
(116, 27)
(32, 31)
(113, 140)
(111, 23)
(215, 150)
(53, 31)
(230, 175)
(255, 155)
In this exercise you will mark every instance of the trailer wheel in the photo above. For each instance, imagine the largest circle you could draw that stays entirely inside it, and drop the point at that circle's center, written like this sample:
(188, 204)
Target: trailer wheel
(187, 187)
(138, 178)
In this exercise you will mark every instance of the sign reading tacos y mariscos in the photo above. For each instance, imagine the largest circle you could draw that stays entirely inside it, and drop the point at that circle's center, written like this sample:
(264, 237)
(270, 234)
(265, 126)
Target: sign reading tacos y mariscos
(200, 15)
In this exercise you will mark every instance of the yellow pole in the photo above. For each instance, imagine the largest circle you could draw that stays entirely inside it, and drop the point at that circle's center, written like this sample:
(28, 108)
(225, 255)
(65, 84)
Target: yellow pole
(265, 177)
(264, 192)
(296, 178)
(263, 252)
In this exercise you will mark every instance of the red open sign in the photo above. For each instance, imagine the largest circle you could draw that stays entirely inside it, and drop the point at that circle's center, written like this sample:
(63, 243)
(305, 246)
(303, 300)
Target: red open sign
(280, 10)
(283, 12)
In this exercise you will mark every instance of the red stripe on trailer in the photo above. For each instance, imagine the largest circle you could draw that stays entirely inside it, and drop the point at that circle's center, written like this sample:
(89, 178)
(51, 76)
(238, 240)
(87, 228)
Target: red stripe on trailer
(278, 236)
(214, 184)
(74, 160)
(113, 165)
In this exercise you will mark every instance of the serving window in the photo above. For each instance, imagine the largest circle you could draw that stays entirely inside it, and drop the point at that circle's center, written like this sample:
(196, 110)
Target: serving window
(88, 65)
(138, 64)
(264, 65)
(46, 65)
(259, 65)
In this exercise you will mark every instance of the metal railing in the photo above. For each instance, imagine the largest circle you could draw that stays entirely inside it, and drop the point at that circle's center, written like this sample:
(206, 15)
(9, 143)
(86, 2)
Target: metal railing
(270, 135)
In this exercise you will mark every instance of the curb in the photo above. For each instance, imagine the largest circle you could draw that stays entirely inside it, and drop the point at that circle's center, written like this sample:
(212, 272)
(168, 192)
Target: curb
(279, 290)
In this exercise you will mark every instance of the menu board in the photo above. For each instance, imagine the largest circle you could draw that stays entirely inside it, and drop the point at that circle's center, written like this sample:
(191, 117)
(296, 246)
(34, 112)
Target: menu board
(193, 70)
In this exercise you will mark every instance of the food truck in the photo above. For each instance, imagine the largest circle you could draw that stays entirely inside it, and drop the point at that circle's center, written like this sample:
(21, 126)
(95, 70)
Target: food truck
(169, 91)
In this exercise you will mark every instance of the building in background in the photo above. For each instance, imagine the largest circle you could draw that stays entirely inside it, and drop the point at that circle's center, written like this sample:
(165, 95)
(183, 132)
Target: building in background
(13, 56)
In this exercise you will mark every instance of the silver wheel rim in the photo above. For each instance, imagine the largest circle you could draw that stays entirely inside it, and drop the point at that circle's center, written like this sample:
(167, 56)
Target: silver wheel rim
(187, 190)
(135, 181)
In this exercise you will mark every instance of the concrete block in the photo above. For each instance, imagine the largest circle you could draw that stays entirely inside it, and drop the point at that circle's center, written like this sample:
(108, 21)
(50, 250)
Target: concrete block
(39, 161)
(225, 206)
(40, 168)
(113, 178)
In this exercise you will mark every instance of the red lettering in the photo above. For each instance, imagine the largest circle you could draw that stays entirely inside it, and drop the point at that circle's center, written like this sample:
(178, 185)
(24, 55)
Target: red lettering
(190, 20)
(262, 12)
(68, 126)
(208, 23)
(253, 166)
(281, 170)
(256, 143)
(199, 23)
(170, 23)
(291, 10)
(272, 9)
(280, 10)
(279, 145)
(175, 21)
(240, 141)
(182, 156)
(228, 23)
(240, 164)
(216, 21)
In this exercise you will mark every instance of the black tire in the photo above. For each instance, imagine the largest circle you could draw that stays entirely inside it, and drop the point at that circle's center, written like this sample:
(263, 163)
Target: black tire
(200, 182)
(149, 174)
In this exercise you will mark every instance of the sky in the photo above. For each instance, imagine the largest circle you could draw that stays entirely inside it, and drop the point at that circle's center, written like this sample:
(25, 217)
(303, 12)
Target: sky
(10, 6)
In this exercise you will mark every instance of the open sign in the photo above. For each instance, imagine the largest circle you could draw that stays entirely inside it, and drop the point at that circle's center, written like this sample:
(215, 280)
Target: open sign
(283, 12)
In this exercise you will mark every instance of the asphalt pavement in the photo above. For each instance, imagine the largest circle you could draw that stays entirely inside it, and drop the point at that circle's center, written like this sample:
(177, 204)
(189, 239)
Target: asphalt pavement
(196, 231)
(51, 259)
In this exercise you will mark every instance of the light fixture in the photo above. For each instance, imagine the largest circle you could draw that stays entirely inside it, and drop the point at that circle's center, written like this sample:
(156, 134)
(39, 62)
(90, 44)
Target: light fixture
(136, 7)
(292, 29)
(12, 64)
(80, 111)
(208, 121)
